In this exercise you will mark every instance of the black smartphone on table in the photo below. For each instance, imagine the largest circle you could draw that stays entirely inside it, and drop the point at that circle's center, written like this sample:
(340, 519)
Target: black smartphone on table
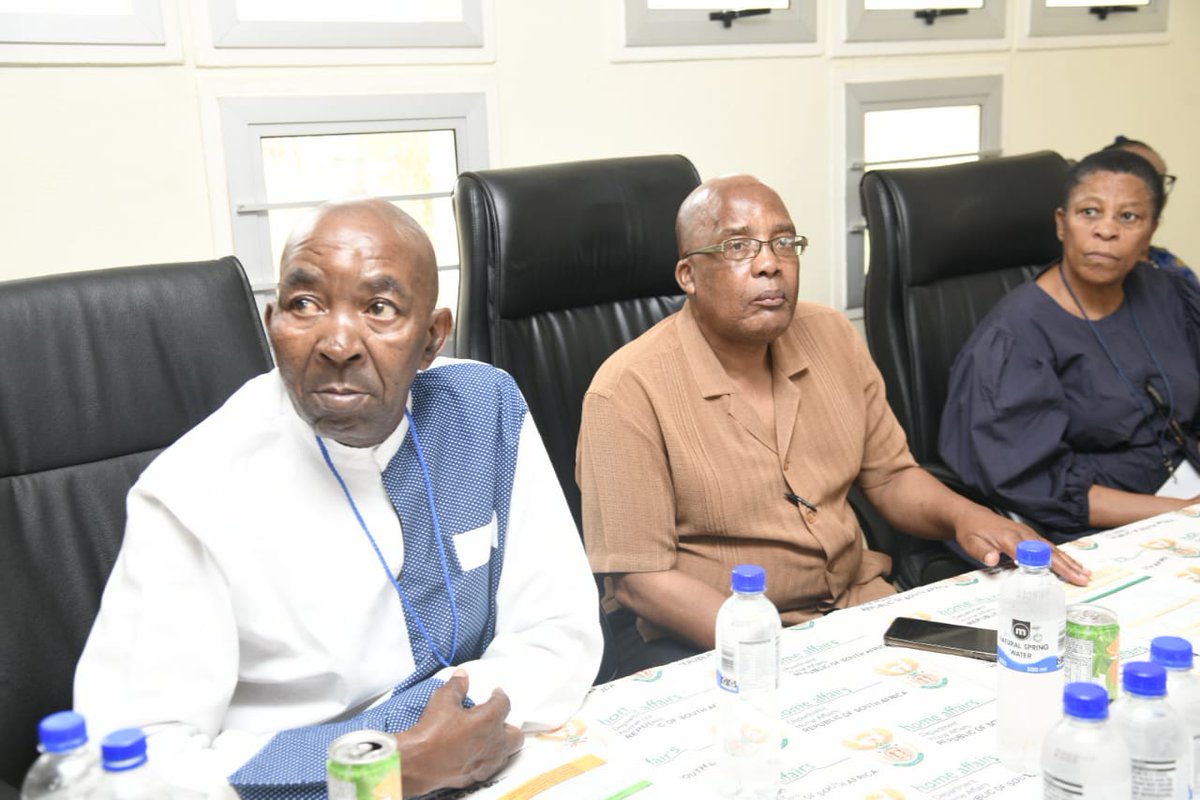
(942, 637)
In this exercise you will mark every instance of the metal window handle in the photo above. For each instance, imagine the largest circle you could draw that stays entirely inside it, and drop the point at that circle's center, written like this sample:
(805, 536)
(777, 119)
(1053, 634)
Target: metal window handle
(1103, 11)
(726, 18)
(930, 15)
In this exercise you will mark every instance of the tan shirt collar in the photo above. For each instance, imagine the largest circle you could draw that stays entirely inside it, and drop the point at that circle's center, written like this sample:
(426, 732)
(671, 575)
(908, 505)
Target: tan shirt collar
(787, 356)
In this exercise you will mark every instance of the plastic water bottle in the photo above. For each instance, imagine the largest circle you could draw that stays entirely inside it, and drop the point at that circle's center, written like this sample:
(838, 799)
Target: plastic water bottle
(1174, 653)
(1159, 747)
(1030, 637)
(67, 768)
(127, 774)
(747, 654)
(1085, 757)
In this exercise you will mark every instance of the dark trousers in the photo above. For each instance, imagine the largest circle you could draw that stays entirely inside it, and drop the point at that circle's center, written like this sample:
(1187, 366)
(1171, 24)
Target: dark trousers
(634, 654)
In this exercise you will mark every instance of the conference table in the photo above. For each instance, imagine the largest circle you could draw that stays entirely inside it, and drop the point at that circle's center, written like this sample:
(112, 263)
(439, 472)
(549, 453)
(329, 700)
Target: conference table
(862, 720)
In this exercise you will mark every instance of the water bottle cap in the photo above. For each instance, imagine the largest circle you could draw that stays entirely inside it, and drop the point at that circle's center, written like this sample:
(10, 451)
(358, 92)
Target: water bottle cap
(1085, 700)
(123, 749)
(749, 578)
(1171, 651)
(1033, 553)
(1144, 679)
(62, 731)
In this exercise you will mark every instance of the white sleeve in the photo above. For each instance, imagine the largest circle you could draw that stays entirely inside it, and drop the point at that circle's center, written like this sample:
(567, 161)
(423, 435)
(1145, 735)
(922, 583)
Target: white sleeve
(548, 644)
(163, 653)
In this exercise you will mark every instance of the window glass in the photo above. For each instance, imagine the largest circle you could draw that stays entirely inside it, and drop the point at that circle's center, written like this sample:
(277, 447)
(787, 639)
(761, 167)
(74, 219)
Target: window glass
(307, 170)
(349, 11)
(711, 5)
(920, 137)
(919, 5)
(90, 8)
(1090, 3)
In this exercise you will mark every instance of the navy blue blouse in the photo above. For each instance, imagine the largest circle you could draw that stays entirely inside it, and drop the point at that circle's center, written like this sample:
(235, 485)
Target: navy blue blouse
(1036, 413)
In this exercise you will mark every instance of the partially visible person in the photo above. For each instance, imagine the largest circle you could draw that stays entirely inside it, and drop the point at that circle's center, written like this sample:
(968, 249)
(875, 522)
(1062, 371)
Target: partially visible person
(365, 537)
(732, 431)
(1078, 397)
(1158, 256)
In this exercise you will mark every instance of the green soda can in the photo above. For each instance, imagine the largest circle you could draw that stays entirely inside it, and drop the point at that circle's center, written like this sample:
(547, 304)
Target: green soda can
(1093, 651)
(364, 765)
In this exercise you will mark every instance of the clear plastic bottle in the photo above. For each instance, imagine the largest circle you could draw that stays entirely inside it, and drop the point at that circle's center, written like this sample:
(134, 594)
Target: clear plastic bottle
(127, 773)
(749, 727)
(1084, 756)
(1031, 634)
(1174, 653)
(67, 768)
(1159, 747)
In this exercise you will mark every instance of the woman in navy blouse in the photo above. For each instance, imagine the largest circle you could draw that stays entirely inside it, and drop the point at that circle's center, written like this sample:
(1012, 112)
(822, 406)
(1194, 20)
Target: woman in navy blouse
(1078, 396)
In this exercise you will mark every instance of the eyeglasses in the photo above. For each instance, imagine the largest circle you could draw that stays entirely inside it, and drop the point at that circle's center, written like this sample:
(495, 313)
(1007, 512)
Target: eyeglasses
(1168, 183)
(742, 248)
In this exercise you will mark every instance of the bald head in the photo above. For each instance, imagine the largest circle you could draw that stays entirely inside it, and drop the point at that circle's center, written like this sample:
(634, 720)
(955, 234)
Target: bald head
(362, 224)
(698, 222)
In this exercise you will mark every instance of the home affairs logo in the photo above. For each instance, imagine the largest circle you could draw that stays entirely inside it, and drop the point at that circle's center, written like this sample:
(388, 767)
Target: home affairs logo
(910, 670)
(880, 743)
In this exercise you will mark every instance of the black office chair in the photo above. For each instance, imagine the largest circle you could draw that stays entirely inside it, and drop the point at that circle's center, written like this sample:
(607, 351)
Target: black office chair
(561, 265)
(100, 371)
(946, 244)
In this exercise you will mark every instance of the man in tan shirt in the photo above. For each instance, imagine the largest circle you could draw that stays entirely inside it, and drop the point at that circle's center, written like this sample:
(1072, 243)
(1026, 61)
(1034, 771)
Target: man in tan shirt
(731, 432)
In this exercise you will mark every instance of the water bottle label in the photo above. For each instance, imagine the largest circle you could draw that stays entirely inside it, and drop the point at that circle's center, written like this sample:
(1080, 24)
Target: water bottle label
(1031, 645)
(1154, 779)
(757, 666)
(1055, 788)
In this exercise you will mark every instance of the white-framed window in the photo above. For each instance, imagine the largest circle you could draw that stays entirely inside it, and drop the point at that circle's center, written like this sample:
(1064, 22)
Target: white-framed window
(892, 26)
(666, 29)
(1072, 23)
(911, 124)
(306, 32)
(89, 31)
(283, 155)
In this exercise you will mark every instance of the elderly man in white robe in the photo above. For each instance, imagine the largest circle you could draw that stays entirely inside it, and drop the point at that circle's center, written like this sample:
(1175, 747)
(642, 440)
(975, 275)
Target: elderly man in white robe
(366, 537)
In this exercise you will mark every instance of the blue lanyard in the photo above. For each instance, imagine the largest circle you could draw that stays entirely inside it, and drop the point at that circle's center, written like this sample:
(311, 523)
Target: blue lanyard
(437, 535)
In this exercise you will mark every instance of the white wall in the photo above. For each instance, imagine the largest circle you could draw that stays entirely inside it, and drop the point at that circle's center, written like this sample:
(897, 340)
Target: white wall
(107, 166)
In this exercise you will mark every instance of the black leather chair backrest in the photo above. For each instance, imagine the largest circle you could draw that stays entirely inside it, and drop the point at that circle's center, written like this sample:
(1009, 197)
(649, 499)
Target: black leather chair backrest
(946, 244)
(99, 371)
(561, 265)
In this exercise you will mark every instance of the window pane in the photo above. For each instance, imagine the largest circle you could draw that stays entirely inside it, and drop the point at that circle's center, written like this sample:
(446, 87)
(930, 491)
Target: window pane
(91, 8)
(711, 5)
(349, 11)
(920, 136)
(1089, 3)
(298, 168)
(317, 168)
(919, 5)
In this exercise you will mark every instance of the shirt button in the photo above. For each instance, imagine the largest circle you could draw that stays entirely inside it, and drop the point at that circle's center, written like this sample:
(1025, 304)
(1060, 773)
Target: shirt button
(811, 517)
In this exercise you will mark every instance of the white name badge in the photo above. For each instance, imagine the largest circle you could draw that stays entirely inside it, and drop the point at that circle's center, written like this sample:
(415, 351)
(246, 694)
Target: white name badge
(1183, 484)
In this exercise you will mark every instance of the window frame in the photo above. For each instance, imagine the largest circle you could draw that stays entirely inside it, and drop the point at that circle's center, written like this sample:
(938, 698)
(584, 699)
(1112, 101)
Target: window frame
(891, 32)
(245, 120)
(221, 39)
(1043, 28)
(863, 96)
(149, 34)
(645, 34)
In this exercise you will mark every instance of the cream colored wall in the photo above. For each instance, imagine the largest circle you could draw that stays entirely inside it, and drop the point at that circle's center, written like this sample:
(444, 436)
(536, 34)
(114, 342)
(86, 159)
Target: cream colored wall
(106, 166)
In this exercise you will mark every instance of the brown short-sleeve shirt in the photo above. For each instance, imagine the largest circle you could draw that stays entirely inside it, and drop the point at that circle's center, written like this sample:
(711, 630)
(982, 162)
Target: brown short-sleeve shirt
(677, 471)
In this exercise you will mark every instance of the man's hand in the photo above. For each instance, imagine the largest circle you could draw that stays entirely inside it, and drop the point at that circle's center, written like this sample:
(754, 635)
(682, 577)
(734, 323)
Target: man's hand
(984, 535)
(451, 746)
